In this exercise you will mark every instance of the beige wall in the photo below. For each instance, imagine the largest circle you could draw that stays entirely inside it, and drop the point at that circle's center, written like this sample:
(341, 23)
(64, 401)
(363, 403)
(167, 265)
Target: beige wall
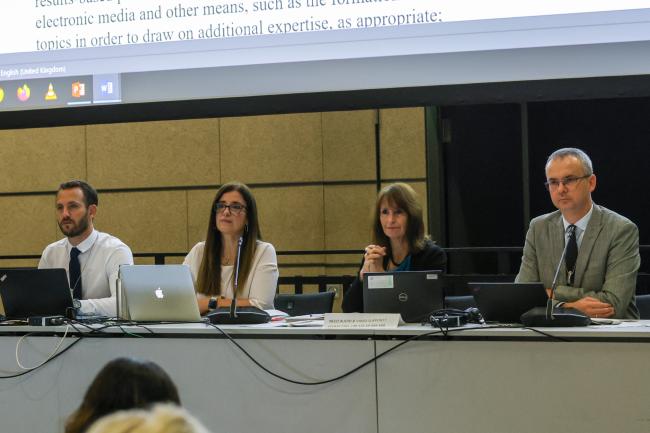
(161, 177)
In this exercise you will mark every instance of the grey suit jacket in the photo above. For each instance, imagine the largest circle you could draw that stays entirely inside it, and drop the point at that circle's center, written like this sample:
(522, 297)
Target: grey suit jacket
(608, 259)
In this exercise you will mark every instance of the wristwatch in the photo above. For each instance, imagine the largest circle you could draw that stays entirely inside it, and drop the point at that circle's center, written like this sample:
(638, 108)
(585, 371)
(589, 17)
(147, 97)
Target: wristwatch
(212, 303)
(72, 313)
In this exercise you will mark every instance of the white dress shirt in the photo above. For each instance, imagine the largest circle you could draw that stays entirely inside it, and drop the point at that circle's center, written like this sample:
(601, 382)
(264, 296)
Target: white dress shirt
(581, 226)
(100, 260)
(262, 281)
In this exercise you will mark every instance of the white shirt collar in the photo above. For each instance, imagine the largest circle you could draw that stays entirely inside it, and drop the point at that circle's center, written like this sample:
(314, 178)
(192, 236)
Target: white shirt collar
(86, 244)
(581, 224)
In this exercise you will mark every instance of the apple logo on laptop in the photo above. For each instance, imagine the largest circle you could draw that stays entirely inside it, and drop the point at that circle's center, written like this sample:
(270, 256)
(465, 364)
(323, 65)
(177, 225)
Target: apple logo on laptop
(159, 293)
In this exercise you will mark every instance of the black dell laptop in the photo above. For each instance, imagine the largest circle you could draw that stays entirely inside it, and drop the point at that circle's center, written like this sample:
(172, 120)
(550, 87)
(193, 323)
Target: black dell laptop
(506, 302)
(412, 294)
(35, 292)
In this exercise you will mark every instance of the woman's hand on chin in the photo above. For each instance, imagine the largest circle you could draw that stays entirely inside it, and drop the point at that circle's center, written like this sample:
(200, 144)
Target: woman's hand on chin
(373, 259)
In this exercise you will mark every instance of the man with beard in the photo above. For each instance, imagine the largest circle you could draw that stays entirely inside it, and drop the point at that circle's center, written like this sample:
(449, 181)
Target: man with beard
(90, 257)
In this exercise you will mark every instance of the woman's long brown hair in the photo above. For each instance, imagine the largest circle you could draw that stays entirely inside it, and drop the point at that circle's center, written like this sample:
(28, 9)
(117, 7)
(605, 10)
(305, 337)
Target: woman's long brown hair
(402, 196)
(209, 278)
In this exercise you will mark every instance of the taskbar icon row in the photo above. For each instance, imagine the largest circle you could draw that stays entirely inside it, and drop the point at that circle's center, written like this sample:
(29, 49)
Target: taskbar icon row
(59, 92)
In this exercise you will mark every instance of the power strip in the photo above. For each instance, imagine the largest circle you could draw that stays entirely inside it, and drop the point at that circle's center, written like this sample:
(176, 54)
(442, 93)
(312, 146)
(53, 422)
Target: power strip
(446, 321)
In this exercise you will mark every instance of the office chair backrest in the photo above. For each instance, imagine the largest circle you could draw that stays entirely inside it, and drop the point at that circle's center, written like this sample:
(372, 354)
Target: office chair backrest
(310, 303)
(460, 302)
(643, 304)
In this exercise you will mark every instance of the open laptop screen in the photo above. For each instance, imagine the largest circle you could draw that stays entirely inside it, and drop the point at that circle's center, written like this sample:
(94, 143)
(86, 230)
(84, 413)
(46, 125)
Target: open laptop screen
(506, 302)
(157, 293)
(35, 292)
(413, 294)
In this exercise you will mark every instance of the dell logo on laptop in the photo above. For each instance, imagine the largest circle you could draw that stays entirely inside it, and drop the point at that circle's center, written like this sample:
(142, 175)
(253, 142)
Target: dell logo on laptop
(159, 293)
(403, 297)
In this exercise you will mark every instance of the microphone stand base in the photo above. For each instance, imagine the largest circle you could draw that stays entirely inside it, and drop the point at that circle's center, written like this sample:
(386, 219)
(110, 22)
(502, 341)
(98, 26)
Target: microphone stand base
(562, 317)
(243, 316)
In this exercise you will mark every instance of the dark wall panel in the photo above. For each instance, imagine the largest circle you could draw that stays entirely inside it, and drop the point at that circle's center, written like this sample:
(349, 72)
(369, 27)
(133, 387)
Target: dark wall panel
(616, 135)
(483, 180)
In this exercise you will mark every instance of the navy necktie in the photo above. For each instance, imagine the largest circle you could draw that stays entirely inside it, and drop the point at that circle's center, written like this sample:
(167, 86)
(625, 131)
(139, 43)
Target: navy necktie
(571, 255)
(75, 273)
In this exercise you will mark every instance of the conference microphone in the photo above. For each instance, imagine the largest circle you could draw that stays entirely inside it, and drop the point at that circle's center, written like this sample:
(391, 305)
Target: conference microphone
(558, 316)
(234, 315)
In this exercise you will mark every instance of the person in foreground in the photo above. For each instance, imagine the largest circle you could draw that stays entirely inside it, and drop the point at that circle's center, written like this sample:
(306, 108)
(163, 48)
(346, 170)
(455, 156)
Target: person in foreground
(162, 418)
(91, 258)
(598, 276)
(233, 215)
(123, 383)
(399, 243)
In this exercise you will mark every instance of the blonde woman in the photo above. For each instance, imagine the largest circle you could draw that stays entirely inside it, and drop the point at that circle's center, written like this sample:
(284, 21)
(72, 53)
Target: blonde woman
(161, 419)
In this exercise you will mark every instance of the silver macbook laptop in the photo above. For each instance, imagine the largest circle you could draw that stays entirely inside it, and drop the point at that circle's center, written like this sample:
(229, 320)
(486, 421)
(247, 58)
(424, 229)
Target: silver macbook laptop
(412, 294)
(157, 293)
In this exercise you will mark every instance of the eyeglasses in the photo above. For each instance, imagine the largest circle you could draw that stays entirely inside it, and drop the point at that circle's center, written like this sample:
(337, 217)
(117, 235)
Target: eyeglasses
(569, 182)
(235, 208)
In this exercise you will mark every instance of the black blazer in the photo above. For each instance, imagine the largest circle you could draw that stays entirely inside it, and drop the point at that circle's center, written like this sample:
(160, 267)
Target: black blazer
(431, 258)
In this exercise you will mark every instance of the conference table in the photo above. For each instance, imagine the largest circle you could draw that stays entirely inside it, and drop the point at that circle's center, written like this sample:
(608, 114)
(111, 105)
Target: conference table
(471, 379)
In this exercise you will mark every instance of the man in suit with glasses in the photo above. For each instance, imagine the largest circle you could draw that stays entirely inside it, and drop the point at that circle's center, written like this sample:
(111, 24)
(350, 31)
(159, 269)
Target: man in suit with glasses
(598, 276)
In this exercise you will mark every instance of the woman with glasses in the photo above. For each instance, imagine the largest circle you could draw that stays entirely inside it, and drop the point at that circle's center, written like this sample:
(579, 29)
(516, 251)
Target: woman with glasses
(399, 243)
(233, 216)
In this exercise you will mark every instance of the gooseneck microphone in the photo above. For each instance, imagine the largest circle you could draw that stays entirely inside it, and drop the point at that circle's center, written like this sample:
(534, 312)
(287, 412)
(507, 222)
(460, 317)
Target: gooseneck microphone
(549, 303)
(242, 315)
(558, 316)
(233, 304)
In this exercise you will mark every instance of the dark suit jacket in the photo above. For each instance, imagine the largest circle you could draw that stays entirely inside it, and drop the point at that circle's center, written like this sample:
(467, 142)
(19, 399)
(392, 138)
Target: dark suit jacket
(431, 258)
(608, 259)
